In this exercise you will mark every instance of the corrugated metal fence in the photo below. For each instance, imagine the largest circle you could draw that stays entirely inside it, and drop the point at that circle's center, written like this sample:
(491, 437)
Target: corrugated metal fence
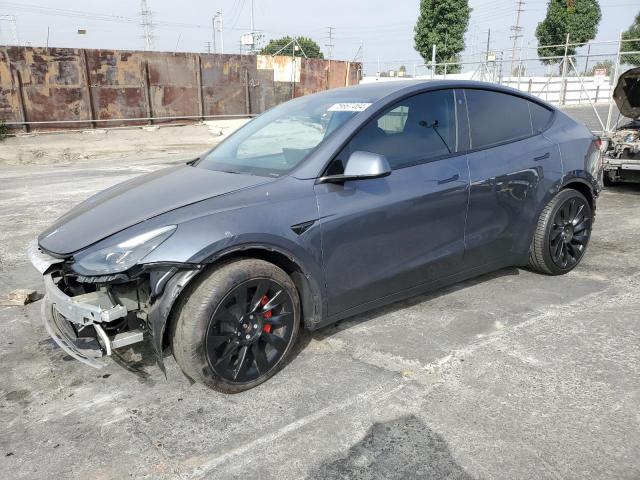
(60, 87)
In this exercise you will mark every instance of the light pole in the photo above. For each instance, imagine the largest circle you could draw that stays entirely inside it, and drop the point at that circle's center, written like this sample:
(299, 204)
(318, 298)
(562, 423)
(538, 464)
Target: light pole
(218, 16)
(213, 32)
(221, 30)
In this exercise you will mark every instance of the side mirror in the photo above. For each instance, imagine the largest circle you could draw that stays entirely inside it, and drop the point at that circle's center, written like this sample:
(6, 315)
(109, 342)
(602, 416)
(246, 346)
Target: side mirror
(361, 166)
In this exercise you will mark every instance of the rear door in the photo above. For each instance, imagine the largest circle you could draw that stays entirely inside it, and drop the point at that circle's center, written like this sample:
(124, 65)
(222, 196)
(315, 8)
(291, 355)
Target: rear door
(382, 236)
(511, 165)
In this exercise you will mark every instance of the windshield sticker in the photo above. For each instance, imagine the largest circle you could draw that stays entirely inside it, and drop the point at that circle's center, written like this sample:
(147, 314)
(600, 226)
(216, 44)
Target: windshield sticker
(348, 107)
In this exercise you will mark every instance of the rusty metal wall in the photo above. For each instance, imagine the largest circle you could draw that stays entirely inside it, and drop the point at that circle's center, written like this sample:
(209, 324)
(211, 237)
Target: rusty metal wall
(61, 84)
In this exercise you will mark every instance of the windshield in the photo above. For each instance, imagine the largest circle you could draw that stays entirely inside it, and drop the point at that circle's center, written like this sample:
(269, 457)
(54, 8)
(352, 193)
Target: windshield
(280, 139)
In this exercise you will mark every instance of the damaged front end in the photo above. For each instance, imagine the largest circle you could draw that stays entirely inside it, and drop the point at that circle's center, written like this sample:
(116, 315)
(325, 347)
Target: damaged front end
(622, 155)
(91, 316)
(622, 158)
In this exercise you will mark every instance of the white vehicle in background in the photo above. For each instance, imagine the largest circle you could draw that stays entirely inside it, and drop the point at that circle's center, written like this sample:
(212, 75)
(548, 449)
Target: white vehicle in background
(622, 153)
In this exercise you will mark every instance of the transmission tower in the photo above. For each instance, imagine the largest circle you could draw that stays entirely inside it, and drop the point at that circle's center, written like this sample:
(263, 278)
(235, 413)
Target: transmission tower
(517, 31)
(330, 45)
(13, 25)
(147, 25)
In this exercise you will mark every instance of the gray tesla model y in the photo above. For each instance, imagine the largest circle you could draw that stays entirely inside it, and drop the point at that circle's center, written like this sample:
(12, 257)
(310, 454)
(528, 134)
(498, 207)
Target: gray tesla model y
(321, 208)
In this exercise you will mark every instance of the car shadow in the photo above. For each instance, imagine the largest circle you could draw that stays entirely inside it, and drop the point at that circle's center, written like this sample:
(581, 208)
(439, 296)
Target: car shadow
(140, 358)
(403, 448)
(356, 320)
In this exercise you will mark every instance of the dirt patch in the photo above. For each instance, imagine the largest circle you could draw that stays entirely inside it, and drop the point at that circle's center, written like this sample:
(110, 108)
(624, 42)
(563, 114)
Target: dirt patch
(70, 148)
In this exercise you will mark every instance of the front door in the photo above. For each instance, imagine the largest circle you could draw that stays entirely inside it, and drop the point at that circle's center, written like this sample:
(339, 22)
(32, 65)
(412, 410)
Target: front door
(382, 236)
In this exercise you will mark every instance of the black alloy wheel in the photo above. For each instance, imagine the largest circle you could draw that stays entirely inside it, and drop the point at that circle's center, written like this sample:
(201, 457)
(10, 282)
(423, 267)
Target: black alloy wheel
(236, 325)
(570, 232)
(562, 233)
(250, 330)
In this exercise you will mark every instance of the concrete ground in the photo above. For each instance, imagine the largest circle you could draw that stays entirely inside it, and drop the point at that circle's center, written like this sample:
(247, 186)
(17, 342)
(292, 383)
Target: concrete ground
(592, 116)
(510, 375)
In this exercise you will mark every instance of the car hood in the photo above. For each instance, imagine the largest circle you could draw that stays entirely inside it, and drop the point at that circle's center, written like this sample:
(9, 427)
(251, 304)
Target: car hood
(136, 200)
(627, 93)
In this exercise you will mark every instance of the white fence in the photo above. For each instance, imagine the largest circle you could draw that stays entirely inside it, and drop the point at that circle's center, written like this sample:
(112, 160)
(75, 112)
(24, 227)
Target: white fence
(587, 78)
(576, 91)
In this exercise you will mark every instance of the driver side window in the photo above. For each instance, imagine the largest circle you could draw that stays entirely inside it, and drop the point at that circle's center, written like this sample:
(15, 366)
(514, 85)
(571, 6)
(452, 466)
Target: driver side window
(415, 130)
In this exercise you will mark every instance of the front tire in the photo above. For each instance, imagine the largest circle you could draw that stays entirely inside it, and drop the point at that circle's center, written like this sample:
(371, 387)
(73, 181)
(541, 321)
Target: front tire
(562, 234)
(237, 327)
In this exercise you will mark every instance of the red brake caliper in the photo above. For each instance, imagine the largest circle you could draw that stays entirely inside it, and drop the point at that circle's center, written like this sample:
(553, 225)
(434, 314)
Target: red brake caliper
(266, 315)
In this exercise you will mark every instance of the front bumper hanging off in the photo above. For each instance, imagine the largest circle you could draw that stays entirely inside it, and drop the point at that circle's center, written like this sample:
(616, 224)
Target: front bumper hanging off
(66, 317)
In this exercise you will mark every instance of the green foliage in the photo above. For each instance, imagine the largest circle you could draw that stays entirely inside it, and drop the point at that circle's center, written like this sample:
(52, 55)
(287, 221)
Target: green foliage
(442, 23)
(632, 33)
(310, 47)
(4, 130)
(578, 18)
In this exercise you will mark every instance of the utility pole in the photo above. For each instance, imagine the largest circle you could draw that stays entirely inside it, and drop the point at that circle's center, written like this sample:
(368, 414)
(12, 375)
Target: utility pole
(563, 86)
(208, 46)
(253, 30)
(516, 29)
(486, 54)
(147, 25)
(330, 46)
(433, 60)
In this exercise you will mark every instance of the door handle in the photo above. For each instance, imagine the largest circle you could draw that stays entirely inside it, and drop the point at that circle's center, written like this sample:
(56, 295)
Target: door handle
(449, 180)
(541, 157)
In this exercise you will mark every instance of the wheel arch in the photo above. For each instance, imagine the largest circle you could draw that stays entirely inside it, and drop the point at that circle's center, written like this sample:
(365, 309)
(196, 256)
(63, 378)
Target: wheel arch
(311, 300)
(584, 188)
(582, 185)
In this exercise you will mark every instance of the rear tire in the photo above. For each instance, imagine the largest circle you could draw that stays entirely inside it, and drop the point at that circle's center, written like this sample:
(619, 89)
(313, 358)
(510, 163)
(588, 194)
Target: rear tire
(237, 326)
(562, 234)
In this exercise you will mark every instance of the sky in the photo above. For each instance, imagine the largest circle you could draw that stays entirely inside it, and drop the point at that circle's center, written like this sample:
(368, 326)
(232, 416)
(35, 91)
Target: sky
(382, 28)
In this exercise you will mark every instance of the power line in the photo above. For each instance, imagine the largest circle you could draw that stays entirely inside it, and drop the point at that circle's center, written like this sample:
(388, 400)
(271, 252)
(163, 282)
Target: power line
(238, 14)
(98, 16)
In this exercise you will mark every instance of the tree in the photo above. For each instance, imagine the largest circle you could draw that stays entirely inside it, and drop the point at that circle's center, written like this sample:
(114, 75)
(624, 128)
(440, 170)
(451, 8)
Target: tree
(578, 18)
(442, 23)
(632, 33)
(402, 71)
(310, 47)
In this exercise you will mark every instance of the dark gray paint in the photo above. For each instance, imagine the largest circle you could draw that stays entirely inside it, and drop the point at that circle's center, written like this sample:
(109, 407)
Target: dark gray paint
(385, 235)
(137, 200)
(372, 241)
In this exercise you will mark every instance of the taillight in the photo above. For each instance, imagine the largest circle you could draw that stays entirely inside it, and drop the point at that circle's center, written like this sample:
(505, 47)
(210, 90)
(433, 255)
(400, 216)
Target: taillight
(598, 143)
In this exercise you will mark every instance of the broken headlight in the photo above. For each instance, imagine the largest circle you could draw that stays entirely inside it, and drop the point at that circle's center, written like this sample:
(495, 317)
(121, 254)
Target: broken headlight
(122, 256)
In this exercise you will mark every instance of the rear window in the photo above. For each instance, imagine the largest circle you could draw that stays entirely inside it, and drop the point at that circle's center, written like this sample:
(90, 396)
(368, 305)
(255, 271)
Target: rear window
(497, 118)
(540, 116)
